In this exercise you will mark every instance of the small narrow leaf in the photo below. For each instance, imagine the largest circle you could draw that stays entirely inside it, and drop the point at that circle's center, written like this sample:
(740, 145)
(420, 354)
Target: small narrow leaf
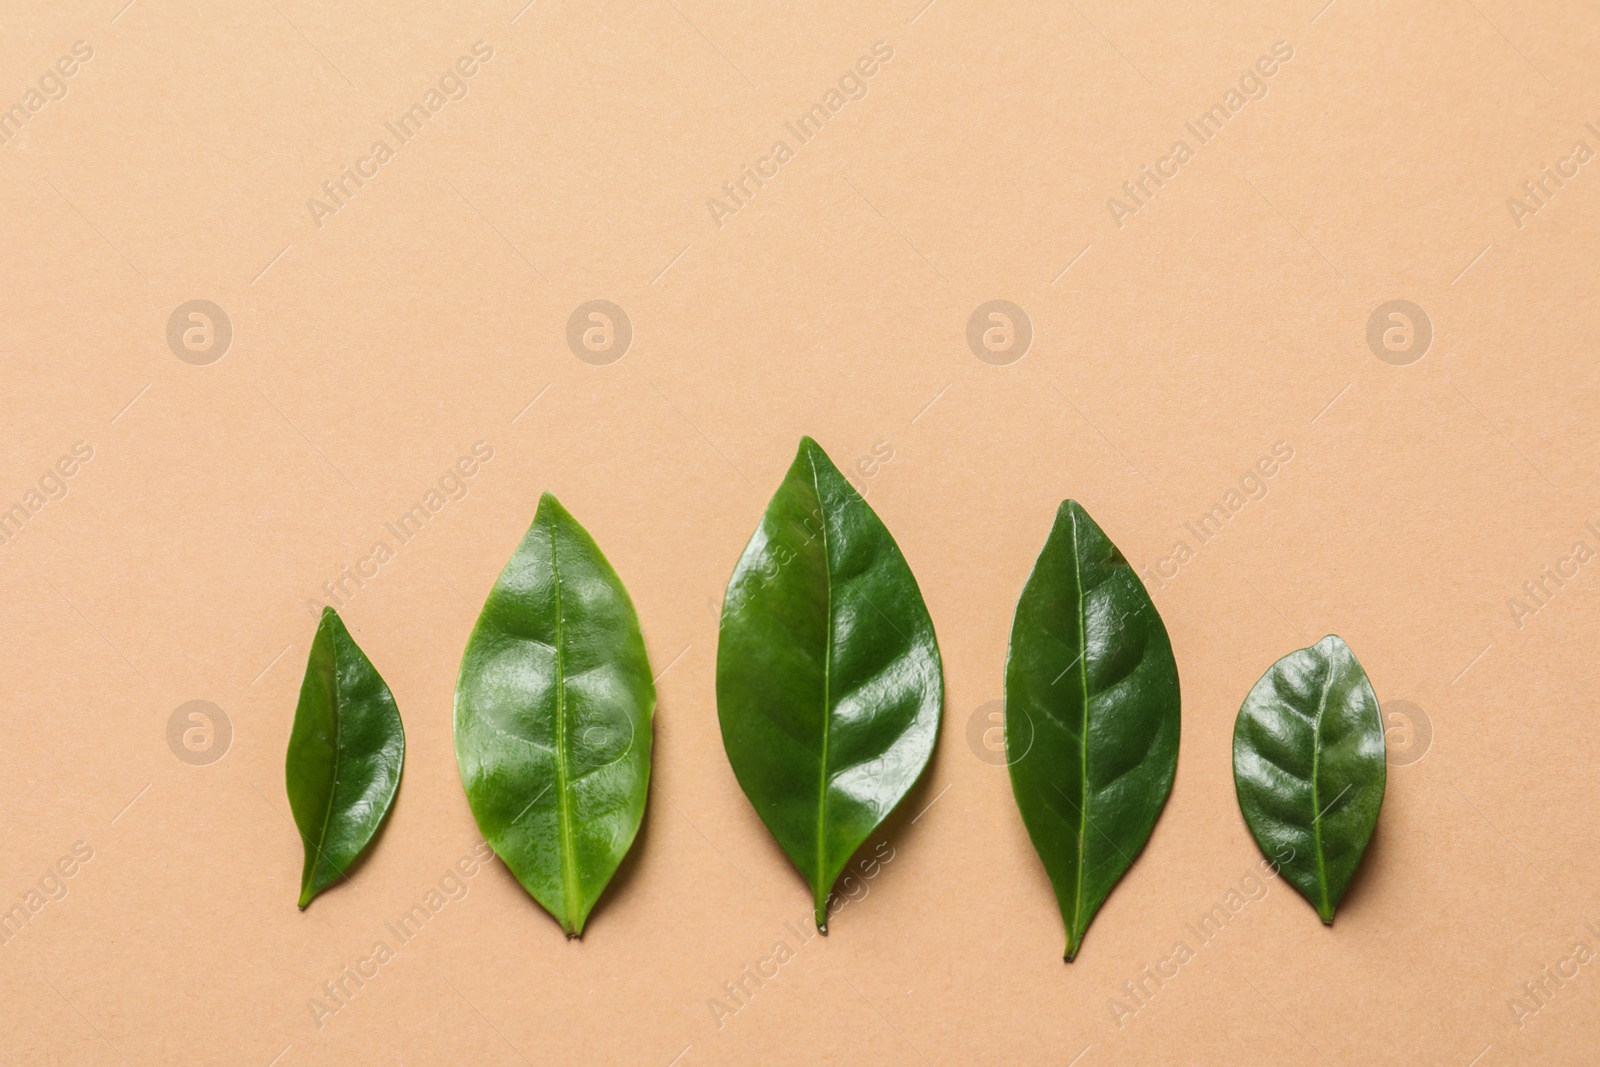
(828, 678)
(1308, 765)
(1091, 715)
(345, 755)
(554, 706)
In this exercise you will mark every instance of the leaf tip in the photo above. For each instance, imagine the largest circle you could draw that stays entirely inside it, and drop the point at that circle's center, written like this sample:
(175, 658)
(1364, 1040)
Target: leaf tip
(329, 623)
(1333, 641)
(811, 451)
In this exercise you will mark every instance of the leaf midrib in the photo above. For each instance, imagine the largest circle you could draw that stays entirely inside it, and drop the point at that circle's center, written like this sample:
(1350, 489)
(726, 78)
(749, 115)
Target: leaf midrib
(819, 889)
(569, 880)
(1083, 734)
(338, 756)
(1316, 800)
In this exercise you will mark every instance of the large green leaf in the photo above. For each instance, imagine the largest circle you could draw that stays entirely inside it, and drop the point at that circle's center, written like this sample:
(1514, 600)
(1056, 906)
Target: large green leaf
(554, 706)
(828, 675)
(1308, 765)
(345, 755)
(1091, 715)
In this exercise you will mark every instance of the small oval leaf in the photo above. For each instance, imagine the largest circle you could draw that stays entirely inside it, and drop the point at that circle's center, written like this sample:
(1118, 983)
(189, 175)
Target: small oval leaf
(1309, 769)
(345, 755)
(828, 676)
(1092, 715)
(553, 718)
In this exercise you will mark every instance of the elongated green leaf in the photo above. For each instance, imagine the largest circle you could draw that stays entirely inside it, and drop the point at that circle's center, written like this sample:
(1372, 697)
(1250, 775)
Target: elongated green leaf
(345, 755)
(1308, 765)
(828, 677)
(554, 711)
(1091, 715)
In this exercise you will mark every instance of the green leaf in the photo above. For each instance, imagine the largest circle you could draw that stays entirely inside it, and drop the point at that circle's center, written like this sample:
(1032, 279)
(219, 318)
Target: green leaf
(345, 755)
(828, 677)
(554, 706)
(1308, 765)
(1091, 715)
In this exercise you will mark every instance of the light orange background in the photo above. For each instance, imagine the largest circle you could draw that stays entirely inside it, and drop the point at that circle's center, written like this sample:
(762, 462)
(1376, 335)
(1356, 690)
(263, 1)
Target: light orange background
(374, 345)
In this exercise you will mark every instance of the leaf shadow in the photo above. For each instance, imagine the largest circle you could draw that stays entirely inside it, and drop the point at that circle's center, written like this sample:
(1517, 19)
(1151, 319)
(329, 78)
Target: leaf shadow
(627, 871)
(1366, 872)
(365, 855)
(898, 829)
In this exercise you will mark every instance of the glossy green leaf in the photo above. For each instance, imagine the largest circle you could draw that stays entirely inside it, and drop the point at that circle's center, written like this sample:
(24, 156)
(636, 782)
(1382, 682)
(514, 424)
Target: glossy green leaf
(1308, 765)
(1091, 716)
(554, 705)
(345, 755)
(828, 676)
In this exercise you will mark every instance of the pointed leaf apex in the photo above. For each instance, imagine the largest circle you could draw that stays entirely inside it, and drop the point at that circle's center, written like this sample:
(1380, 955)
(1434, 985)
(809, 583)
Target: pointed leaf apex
(552, 509)
(813, 452)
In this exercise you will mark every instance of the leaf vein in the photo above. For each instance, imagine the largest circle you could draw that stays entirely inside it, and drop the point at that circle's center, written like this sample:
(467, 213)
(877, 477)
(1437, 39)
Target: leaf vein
(569, 887)
(820, 889)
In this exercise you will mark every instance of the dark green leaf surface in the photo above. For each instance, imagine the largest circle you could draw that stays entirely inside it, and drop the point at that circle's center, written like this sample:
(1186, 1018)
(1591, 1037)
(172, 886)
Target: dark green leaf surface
(1091, 715)
(1308, 765)
(828, 677)
(554, 706)
(345, 755)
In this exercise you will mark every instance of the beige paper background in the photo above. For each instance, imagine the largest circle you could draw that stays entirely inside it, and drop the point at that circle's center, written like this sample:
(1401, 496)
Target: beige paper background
(429, 313)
